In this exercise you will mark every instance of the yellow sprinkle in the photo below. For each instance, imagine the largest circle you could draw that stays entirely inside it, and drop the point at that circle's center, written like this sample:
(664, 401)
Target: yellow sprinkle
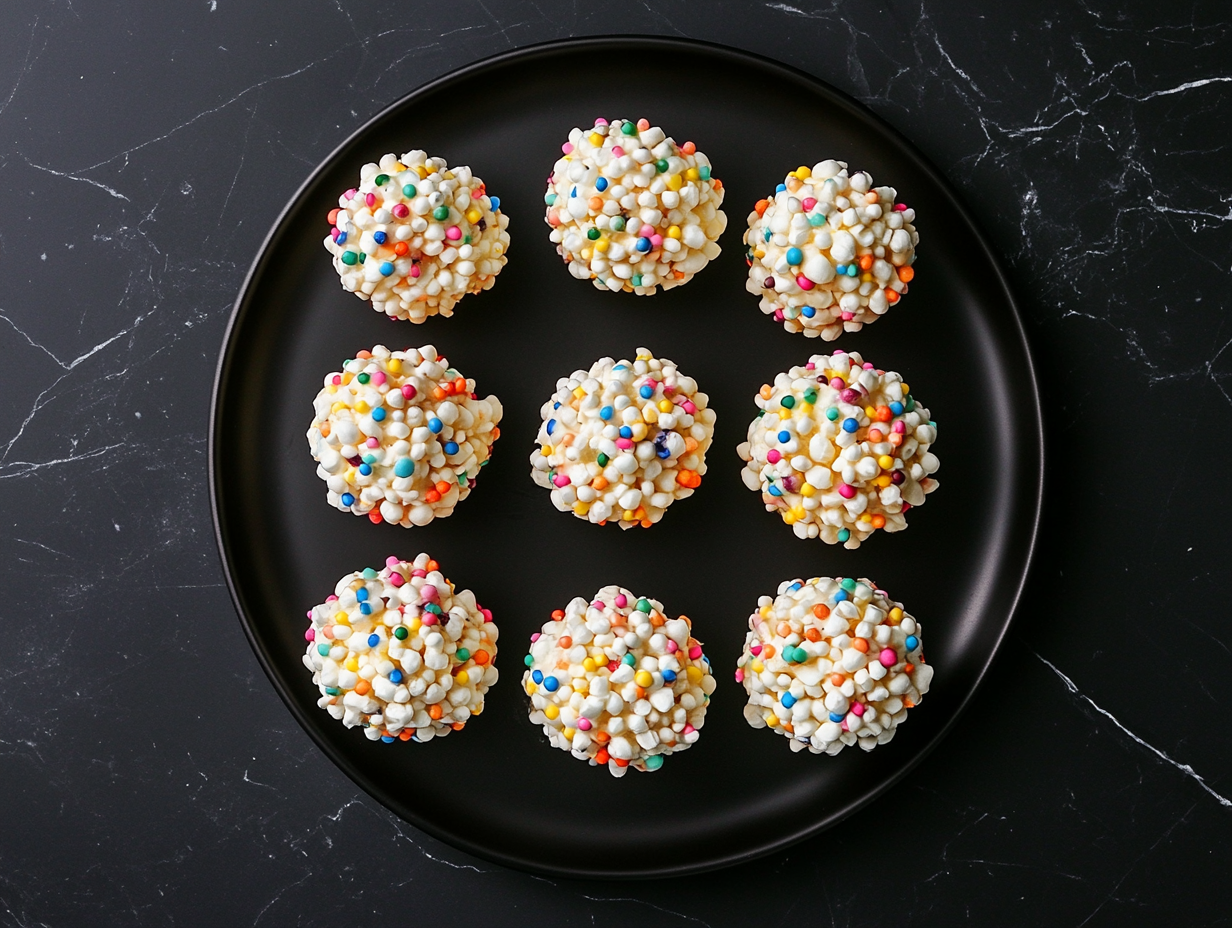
(595, 139)
(675, 182)
(673, 232)
(784, 413)
(643, 678)
(627, 515)
(643, 357)
(693, 673)
(808, 489)
(601, 246)
(394, 365)
(883, 481)
(414, 625)
(473, 215)
(462, 677)
(352, 664)
(790, 517)
(870, 411)
(338, 406)
(803, 172)
(885, 462)
(896, 615)
(866, 277)
(449, 175)
(399, 167)
(597, 655)
(865, 517)
(568, 733)
(650, 413)
(421, 170)
(530, 688)
(589, 665)
(758, 253)
(797, 511)
(665, 405)
(771, 719)
(349, 476)
(906, 389)
(765, 611)
(581, 508)
(331, 389)
(579, 392)
(362, 407)
(342, 618)
(551, 711)
(691, 174)
(758, 666)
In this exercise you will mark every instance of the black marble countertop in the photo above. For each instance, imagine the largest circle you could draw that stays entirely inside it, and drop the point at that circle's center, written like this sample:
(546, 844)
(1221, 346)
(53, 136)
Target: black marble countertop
(149, 772)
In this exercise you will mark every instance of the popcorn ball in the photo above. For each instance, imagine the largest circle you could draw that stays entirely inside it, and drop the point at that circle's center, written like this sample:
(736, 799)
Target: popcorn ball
(840, 449)
(623, 440)
(632, 210)
(399, 436)
(829, 253)
(616, 682)
(832, 663)
(401, 653)
(416, 236)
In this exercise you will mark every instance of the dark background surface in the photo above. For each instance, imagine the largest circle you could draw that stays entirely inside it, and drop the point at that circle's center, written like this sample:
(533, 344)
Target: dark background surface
(150, 774)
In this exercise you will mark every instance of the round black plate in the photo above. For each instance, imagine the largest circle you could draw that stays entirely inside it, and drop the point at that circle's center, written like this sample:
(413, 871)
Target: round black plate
(497, 789)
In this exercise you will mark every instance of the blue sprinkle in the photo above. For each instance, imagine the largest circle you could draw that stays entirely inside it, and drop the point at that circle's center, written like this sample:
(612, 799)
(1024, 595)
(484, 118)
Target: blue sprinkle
(373, 640)
(788, 700)
(395, 676)
(573, 192)
(404, 467)
(626, 432)
(386, 268)
(669, 676)
(794, 256)
(550, 684)
(605, 413)
(843, 534)
(835, 717)
(323, 649)
(451, 447)
(794, 587)
(551, 425)
(840, 269)
(896, 408)
(643, 244)
(379, 237)
(850, 425)
(365, 469)
(646, 391)
(841, 595)
(775, 491)
(784, 437)
(780, 188)
(912, 642)
(766, 235)
(808, 312)
(556, 405)
(347, 499)
(601, 184)
(537, 676)
(388, 739)
(361, 595)
(378, 414)
(365, 609)
(620, 367)
(341, 238)
(664, 453)
(495, 202)
(435, 425)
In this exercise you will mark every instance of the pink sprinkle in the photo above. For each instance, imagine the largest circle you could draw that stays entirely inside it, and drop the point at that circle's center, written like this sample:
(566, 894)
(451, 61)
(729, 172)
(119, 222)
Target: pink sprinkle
(535, 636)
(899, 427)
(378, 378)
(887, 657)
(310, 635)
(846, 491)
(857, 709)
(453, 233)
(309, 614)
(804, 283)
(778, 315)
(561, 480)
(618, 151)
(601, 121)
(900, 207)
(810, 366)
(331, 598)
(646, 230)
(400, 210)
(695, 652)
(847, 317)
(755, 650)
(370, 199)
(868, 366)
(583, 724)
(624, 443)
(408, 391)
(689, 729)
(415, 270)
(337, 380)
(809, 203)
(419, 572)
(567, 148)
(672, 647)
(428, 593)
(372, 443)
(740, 676)
(621, 600)
(688, 407)
(844, 726)
(837, 383)
(656, 241)
(395, 579)
(773, 456)
(429, 619)
(487, 614)
(391, 561)
(597, 604)
(334, 233)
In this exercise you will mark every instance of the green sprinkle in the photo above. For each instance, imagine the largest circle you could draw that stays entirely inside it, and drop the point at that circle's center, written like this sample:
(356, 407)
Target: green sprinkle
(908, 406)
(661, 165)
(323, 649)
(529, 660)
(618, 224)
(332, 690)
(369, 573)
(848, 584)
(409, 190)
(832, 413)
(363, 378)
(654, 761)
(810, 397)
(628, 659)
(629, 129)
(349, 258)
(441, 212)
(549, 198)
(704, 173)
(463, 654)
(637, 280)
(788, 402)
(382, 180)
(643, 605)
(603, 459)
(402, 633)
(592, 234)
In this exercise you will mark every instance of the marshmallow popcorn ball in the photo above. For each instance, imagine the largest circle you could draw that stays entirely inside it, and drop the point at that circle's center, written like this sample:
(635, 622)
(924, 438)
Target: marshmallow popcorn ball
(832, 663)
(615, 682)
(400, 436)
(829, 253)
(416, 236)
(623, 440)
(840, 449)
(632, 210)
(401, 653)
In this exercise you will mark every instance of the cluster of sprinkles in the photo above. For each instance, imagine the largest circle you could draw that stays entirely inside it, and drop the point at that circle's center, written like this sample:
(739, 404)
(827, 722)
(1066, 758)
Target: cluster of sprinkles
(840, 449)
(400, 436)
(623, 441)
(829, 253)
(401, 652)
(617, 683)
(830, 663)
(631, 210)
(415, 236)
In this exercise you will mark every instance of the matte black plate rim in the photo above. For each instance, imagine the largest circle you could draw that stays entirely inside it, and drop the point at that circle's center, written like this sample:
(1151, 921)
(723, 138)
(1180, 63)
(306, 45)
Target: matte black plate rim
(666, 44)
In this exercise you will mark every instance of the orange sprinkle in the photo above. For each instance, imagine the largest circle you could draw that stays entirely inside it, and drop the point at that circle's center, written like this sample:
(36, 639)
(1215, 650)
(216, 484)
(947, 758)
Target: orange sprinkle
(325, 430)
(432, 565)
(621, 763)
(641, 693)
(401, 248)
(878, 521)
(643, 124)
(434, 712)
(362, 687)
(908, 703)
(690, 445)
(891, 296)
(688, 148)
(813, 634)
(657, 620)
(679, 275)
(601, 737)
(456, 726)
(874, 435)
(884, 414)
(459, 385)
(861, 645)
(432, 496)
(639, 513)
(363, 355)
(905, 274)
(595, 203)
(406, 734)
(787, 726)
(602, 756)
(865, 262)
(645, 523)
(765, 392)
(375, 516)
(599, 483)
(767, 652)
(822, 611)
(566, 641)
(909, 667)
(558, 614)
(783, 629)
(442, 487)
(716, 183)
(438, 393)
(481, 657)
(836, 679)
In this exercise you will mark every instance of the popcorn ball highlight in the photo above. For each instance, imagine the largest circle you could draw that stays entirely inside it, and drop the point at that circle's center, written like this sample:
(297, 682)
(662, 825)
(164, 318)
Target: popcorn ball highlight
(401, 653)
(615, 682)
(832, 663)
(400, 436)
(829, 253)
(416, 236)
(623, 440)
(840, 449)
(631, 210)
